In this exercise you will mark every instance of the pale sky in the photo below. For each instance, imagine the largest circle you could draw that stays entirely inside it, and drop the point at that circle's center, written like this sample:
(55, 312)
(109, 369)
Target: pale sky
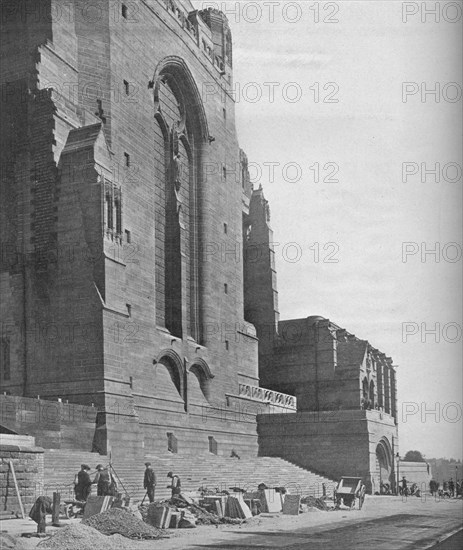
(370, 212)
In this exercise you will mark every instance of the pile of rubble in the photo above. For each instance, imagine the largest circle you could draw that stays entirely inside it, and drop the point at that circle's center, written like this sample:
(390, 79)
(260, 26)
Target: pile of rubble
(318, 503)
(122, 522)
(80, 536)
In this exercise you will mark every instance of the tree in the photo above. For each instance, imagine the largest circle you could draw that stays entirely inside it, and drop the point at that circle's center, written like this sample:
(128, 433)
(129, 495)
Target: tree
(414, 456)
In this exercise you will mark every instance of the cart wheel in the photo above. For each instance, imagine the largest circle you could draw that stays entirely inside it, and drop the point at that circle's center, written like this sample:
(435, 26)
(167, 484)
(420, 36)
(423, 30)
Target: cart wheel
(68, 512)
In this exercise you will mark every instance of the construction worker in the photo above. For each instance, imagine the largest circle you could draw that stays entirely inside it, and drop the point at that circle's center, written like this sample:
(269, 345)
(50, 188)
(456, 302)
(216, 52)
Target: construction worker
(42, 507)
(175, 485)
(149, 481)
(103, 481)
(84, 483)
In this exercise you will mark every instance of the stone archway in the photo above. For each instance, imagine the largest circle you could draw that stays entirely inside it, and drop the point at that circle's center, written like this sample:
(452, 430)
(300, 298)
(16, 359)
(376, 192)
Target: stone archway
(384, 461)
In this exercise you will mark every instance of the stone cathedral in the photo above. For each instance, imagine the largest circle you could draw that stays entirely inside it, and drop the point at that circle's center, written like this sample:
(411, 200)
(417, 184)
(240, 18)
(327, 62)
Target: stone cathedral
(137, 271)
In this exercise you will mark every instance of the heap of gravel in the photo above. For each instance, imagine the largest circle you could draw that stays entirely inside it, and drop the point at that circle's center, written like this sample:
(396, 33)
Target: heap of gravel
(124, 523)
(78, 536)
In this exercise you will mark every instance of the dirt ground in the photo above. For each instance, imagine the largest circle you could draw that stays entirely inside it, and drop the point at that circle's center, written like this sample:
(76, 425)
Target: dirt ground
(274, 524)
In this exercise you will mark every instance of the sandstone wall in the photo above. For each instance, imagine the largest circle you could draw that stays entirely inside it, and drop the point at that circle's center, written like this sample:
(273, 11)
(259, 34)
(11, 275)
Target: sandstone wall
(27, 460)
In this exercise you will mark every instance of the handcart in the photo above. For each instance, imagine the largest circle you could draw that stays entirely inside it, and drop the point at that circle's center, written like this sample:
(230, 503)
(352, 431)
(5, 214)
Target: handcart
(348, 490)
(72, 508)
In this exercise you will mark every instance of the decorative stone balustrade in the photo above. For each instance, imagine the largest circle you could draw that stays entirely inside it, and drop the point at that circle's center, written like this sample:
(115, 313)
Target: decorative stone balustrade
(268, 396)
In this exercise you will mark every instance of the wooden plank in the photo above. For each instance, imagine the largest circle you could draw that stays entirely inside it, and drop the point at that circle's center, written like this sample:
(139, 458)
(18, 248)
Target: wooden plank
(292, 505)
(107, 503)
(244, 507)
(17, 490)
(167, 518)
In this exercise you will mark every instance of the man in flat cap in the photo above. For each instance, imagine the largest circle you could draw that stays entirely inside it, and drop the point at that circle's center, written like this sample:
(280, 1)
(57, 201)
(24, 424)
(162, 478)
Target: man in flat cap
(149, 482)
(84, 484)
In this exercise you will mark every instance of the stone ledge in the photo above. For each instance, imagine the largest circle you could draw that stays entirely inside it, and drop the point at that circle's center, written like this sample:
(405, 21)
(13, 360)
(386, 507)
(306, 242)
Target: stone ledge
(20, 449)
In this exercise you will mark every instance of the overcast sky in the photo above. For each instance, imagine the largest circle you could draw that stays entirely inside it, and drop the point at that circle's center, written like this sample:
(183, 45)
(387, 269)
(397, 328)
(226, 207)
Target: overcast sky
(339, 100)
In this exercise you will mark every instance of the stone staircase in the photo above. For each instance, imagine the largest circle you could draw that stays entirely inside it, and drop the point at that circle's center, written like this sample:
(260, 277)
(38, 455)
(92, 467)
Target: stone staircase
(195, 471)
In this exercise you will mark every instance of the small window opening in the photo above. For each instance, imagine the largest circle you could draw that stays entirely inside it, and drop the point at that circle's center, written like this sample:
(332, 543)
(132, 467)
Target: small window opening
(118, 208)
(5, 358)
(172, 445)
(213, 447)
(109, 211)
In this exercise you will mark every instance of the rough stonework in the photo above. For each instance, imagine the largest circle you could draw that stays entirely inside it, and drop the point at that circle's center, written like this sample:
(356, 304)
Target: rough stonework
(27, 460)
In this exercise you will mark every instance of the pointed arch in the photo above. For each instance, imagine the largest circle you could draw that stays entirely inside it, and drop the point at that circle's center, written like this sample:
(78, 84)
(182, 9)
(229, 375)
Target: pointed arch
(204, 375)
(185, 85)
(174, 364)
(179, 111)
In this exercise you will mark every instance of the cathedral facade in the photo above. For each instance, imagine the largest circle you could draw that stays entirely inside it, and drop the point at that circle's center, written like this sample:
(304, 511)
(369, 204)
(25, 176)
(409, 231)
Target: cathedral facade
(127, 276)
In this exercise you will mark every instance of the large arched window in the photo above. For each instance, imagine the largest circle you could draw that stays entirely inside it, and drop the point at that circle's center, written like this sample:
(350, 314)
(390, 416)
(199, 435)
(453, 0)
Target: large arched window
(180, 138)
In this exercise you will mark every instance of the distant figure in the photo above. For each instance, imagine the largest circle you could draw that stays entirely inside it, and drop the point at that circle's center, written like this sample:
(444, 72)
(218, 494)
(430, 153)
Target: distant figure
(149, 481)
(427, 467)
(234, 454)
(84, 484)
(175, 485)
(103, 481)
(433, 487)
(404, 487)
(452, 488)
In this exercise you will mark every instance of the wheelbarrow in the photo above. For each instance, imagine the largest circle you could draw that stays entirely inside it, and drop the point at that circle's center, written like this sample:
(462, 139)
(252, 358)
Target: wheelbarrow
(72, 508)
(348, 491)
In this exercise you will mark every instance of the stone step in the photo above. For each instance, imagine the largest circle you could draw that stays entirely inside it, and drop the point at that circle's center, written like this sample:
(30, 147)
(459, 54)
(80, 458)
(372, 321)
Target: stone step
(195, 471)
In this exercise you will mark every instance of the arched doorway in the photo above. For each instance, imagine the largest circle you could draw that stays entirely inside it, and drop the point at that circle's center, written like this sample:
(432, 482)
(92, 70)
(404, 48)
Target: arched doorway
(384, 461)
